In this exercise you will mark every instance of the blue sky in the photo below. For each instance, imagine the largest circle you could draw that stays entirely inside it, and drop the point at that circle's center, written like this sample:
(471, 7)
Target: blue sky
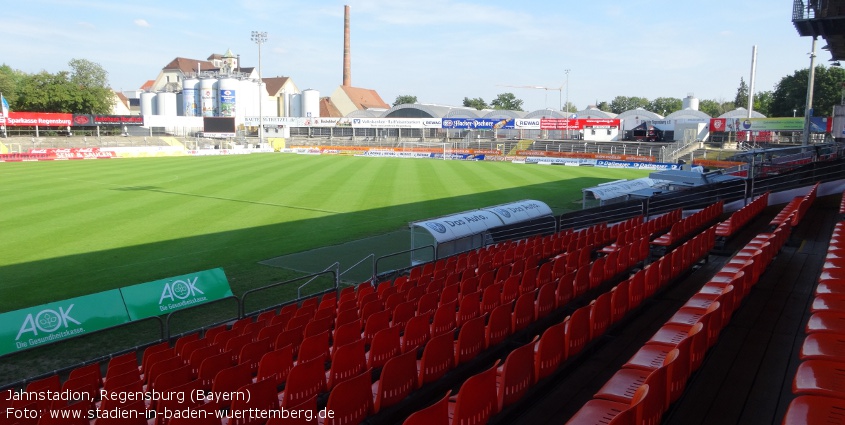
(440, 51)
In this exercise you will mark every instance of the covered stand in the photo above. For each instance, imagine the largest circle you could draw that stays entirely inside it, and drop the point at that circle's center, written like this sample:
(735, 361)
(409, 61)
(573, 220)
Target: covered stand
(474, 229)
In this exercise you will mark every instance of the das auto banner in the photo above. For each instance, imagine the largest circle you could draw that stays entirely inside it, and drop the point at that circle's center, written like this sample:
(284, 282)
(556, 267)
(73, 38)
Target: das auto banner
(35, 326)
(175, 293)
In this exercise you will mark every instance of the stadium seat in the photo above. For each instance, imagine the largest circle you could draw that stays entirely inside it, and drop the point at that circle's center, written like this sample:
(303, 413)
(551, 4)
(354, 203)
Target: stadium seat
(477, 400)
(351, 401)
(523, 312)
(577, 331)
(386, 344)
(820, 377)
(417, 332)
(598, 411)
(397, 379)
(470, 341)
(276, 365)
(444, 319)
(347, 361)
(600, 315)
(438, 357)
(314, 347)
(305, 381)
(814, 410)
(262, 398)
(822, 345)
(436, 414)
(516, 374)
(549, 351)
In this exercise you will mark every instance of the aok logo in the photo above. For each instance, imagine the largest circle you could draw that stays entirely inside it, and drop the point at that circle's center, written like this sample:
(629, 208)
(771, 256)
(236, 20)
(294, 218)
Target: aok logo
(46, 321)
(179, 290)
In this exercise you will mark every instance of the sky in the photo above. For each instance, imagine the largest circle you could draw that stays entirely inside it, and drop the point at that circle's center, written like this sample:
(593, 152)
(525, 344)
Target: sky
(437, 50)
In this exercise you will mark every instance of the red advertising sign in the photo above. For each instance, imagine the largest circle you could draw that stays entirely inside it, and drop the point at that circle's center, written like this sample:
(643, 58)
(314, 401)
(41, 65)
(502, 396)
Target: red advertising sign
(717, 125)
(40, 119)
(75, 153)
(577, 123)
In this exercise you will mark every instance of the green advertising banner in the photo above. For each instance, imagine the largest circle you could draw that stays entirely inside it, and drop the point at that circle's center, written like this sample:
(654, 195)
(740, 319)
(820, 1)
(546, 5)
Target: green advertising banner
(175, 293)
(35, 326)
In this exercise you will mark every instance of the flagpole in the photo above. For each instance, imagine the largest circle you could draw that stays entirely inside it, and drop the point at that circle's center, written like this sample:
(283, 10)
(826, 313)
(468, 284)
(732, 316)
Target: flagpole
(5, 111)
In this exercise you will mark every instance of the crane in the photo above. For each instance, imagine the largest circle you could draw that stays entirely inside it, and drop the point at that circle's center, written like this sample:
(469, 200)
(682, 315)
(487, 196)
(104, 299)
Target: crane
(547, 89)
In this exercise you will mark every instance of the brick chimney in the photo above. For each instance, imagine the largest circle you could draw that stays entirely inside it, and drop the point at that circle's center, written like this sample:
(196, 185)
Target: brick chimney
(347, 59)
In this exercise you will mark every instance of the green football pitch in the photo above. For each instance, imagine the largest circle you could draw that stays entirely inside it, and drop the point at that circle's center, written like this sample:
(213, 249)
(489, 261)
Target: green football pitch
(71, 228)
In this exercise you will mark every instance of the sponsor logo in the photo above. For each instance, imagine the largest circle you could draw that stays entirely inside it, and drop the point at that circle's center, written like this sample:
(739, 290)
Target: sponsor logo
(180, 289)
(448, 123)
(47, 321)
(503, 212)
(81, 119)
(437, 227)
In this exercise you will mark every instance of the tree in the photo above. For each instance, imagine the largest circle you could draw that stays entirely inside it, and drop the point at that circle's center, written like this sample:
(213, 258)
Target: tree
(741, 99)
(94, 95)
(715, 108)
(404, 99)
(620, 104)
(477, 103)
(665, 105)
(9, 81)
(762, 101)
(791, 92)
(507, 101)
(603, 106)
(570, 107)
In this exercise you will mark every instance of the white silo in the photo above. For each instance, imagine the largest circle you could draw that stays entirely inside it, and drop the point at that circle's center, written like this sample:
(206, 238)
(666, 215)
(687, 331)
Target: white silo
(690, 102)
(148, 103)
(311, 103)
(190, 97)
(295, 105)
(227, 102)
(208, 97)
(247, 105)
(166, 104)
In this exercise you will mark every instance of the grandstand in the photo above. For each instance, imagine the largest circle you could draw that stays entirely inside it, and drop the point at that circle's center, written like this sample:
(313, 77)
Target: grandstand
(625, 312)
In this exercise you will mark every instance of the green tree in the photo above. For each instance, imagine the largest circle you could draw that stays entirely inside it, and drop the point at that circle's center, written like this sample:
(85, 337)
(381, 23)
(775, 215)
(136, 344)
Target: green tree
(603, 106)
(570, 107)
(94, 95)
(665, 105)
(620, 104)
(507, 101)
(762, 101)
(714, 108)
(45, 92)
(477, 103)
(404, 99)
(10, 79)
(741, 99)
(791, 92)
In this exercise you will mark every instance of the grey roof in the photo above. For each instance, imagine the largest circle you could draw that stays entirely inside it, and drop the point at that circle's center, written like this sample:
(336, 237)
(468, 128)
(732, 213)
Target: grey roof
(687, 114)
(594, 113)
(640, 113)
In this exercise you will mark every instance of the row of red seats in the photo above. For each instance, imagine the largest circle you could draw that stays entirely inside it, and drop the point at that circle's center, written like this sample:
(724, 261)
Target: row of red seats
(794, 211)
(654, 377)
(742, 216)
(818, 380)
(689, 225)
(485, 394)
(246, 335)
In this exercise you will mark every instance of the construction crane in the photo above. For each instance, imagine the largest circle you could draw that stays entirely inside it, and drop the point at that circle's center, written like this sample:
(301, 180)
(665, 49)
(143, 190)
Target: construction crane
(559, 90)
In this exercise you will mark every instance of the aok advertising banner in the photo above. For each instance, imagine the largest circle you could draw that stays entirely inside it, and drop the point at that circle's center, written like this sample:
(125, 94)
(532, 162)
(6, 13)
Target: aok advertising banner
(167, 295)
(35, 326)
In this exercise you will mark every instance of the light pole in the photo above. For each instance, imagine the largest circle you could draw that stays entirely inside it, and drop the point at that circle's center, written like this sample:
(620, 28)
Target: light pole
(566, 71)
(260, 37)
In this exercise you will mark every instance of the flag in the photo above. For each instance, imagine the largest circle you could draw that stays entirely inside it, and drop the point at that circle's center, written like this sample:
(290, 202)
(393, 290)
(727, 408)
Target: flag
(5, 106)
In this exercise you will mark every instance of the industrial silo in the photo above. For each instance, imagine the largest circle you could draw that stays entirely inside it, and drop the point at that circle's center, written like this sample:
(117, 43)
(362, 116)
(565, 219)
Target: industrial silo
(690, 102)
(166, 104)
(295, 105)
(208, 97)
(148, 100)
(247, 105)
(311, 103)
(227, 102)
(190, 97)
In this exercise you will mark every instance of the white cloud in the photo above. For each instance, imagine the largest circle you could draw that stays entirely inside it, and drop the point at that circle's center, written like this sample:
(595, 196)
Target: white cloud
(141, 23)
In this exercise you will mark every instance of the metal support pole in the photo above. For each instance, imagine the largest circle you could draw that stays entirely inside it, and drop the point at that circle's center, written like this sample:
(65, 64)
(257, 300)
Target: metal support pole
(808, 110)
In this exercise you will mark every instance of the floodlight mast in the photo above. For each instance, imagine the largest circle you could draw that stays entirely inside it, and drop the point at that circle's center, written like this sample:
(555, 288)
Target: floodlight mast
(259, 38)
